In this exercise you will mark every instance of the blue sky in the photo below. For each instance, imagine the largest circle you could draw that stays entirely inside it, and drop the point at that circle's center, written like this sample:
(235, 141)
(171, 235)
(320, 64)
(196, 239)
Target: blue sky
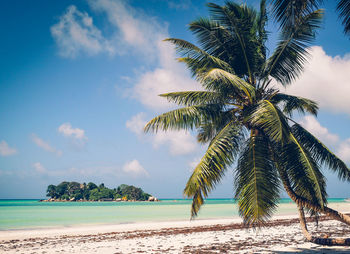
(79, 79)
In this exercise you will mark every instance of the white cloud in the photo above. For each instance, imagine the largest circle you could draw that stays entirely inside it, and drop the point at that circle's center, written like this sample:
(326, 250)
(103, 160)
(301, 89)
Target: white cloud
(145, 35)
(325, 80)
(134, 168)
(170, 76)
(39, 168)
(312, 125)
(179, 142)
(341, 148)
(75, 33)
(68, 131)
(6, 150)
(137, 123)
(44, 145)
(136, 30)
(344, 150)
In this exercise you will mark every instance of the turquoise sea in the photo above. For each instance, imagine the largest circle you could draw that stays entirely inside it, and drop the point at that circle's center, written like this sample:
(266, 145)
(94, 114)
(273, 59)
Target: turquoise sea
(29, 214)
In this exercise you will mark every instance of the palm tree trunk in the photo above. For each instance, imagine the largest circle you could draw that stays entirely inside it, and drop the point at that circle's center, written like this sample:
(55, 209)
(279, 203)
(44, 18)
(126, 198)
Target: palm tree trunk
(303, 223)
(319, 240)
(302, 202)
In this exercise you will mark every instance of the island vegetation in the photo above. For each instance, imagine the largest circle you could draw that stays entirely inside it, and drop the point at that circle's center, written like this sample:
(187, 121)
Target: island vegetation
(74, 191)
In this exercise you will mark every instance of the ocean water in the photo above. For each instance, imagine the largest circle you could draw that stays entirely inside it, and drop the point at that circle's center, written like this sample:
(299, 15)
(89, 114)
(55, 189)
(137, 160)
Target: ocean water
(28, 214)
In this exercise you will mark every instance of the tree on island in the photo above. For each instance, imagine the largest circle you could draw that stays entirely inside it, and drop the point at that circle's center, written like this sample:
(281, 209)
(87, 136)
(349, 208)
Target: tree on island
(91, 192)
(246, 119)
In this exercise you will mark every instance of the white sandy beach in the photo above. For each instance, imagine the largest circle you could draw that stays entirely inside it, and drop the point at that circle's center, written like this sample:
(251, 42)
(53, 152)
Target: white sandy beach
(282, 235)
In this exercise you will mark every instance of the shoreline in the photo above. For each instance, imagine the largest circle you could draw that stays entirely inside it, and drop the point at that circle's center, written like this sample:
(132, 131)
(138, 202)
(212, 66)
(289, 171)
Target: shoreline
(282, 233)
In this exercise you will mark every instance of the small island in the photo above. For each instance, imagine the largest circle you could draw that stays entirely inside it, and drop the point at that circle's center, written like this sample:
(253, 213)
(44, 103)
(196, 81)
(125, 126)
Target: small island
(74, 191)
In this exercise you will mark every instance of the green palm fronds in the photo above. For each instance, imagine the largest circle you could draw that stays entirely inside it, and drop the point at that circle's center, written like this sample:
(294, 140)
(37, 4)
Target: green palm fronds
(220, 154)
(241, 117)
(287, 61)
(267, 117)
(292, 103)
(257, 183)
(343, 7)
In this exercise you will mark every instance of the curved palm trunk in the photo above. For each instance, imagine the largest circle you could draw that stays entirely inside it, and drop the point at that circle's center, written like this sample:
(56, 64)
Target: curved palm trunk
(303, 223)
(319, 240)
(302, 202)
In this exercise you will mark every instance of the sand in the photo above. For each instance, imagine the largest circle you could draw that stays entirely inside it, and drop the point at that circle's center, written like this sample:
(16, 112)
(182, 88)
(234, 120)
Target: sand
(281, 235)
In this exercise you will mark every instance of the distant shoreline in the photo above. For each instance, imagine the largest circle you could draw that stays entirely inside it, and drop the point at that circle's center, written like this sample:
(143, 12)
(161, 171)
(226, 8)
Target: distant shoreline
(84, 201)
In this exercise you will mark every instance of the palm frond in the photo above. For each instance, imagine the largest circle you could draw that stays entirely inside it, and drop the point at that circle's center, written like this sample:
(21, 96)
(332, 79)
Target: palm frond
(292, 103)
(270, 119)
(287, 61)
(183, 118)
(190, 98)
(309, 181)
(262, 34)
(208, 130)
(190, 50)
(220, 154)
(213, 38)
(239, 20)
(288, 12)
(320, 152)
(256, 181)
(343, 7)
(216, 76)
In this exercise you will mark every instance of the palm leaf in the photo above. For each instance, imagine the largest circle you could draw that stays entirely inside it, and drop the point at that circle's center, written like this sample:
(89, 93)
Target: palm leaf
(305, 172)
(288, 12)
(188, 49)
(220, 154)
(215, 77)
(257, 184)
(208, 130)
(213, 38)
(262, 34)
(343, 7)
(239, 21)
(190, 98)
(183, 118)
(270, 119)
(287, 61)
(320, 152)
(292, 103)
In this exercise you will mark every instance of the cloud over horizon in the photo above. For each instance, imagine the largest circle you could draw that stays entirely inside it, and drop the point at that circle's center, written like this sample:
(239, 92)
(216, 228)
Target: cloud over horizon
(6, 150)
(135, 169)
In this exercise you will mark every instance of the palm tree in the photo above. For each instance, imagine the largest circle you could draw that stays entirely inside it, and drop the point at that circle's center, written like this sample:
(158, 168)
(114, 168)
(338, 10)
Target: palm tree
(245, 119)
